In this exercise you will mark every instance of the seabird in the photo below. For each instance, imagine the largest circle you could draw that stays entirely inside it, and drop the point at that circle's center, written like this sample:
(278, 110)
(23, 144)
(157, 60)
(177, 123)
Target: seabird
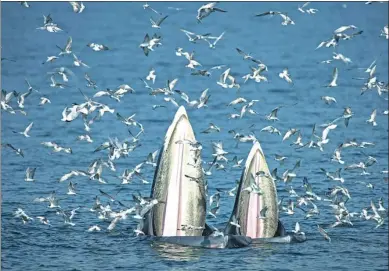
(212, 128)
(56, 147)
(148, 44)
(44, 100)
(18, 151)
(77, 62)
(68, 47)
(271, 13)
(30, 172)
(90, 82)
(71, 189)
(324, 233)
(311, 10)
(193, 37)
(271, 130)
(20, 213)
(339, 56)
(50, 59)
(236, 163)
(27, 130)
(151, 76)
(44, 220)
(344, 28)
(285, 75)
(273, 114)
(55, 84)
(385, 32)
(24, 4)
(206, 10)
(97, 47)
(213, 45)
(145, 6)
(328, 99)
(337, 155)
(94, 228)
(289, 133)
(77, 7)
(334, 78)
(301, 9)
(372, 118)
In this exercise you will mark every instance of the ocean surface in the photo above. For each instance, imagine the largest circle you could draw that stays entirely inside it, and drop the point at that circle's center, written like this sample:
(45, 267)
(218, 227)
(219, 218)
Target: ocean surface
(122, 27)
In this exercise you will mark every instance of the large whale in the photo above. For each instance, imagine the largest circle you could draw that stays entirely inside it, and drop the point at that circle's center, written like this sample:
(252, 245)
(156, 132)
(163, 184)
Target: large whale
(181, 209)
(178, 185)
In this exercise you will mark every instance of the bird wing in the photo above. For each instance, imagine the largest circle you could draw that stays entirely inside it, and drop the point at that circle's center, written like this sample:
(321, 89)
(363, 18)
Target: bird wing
(339, 148)
(146, 38)
(340, 29)
(218, 38)
(374, 208)
(68, 46)
(217, 67)
(373, 114)
(297, 227)
(274, 112)
(370, 161)
(49, 144)
(28, 127)
(225, 74)
(327, 130)
(161, 20)
(154, 155)
(113, 223)
(263, 14)
(75, 5)
(240, 51)
(31, 172)
(172, 84)
(101, 93)
(120, 117)
(372, 71)
(203, 95)
(145, 51)
(335, 74)
(187, 32)
(337, 173)
(183, 95)
(305, 4)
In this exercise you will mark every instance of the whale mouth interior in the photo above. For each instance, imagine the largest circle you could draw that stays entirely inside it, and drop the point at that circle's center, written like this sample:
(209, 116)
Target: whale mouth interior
(254, 227)
(176, 153)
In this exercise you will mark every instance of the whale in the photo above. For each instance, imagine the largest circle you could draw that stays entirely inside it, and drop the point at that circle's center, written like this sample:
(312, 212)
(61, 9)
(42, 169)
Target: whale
(181, 208)
(179, 186)
(249, 204)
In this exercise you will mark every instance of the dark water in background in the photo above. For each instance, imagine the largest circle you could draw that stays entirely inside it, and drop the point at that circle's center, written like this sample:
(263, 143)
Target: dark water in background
(122, 26)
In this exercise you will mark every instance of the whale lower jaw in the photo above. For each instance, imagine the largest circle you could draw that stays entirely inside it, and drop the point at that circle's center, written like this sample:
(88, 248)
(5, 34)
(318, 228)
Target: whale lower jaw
(182, 207)
(248, 205)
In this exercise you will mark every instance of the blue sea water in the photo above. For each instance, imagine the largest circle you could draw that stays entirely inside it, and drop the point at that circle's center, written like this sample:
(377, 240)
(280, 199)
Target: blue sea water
(122, 27)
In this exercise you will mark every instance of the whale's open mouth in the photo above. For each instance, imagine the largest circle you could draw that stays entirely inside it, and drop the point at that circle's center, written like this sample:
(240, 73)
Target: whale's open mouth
(255, 209)
(178, 183)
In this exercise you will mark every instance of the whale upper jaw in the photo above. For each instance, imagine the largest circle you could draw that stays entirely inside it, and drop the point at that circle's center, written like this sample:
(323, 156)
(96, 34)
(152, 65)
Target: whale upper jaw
(248, 205)
(182, 200)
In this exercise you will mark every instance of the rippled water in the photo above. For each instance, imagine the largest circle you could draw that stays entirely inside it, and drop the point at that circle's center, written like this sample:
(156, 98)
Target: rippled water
(121, 27)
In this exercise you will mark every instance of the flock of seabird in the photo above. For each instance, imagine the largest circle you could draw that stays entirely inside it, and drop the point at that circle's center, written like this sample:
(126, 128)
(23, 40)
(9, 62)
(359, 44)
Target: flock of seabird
(90, 110)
